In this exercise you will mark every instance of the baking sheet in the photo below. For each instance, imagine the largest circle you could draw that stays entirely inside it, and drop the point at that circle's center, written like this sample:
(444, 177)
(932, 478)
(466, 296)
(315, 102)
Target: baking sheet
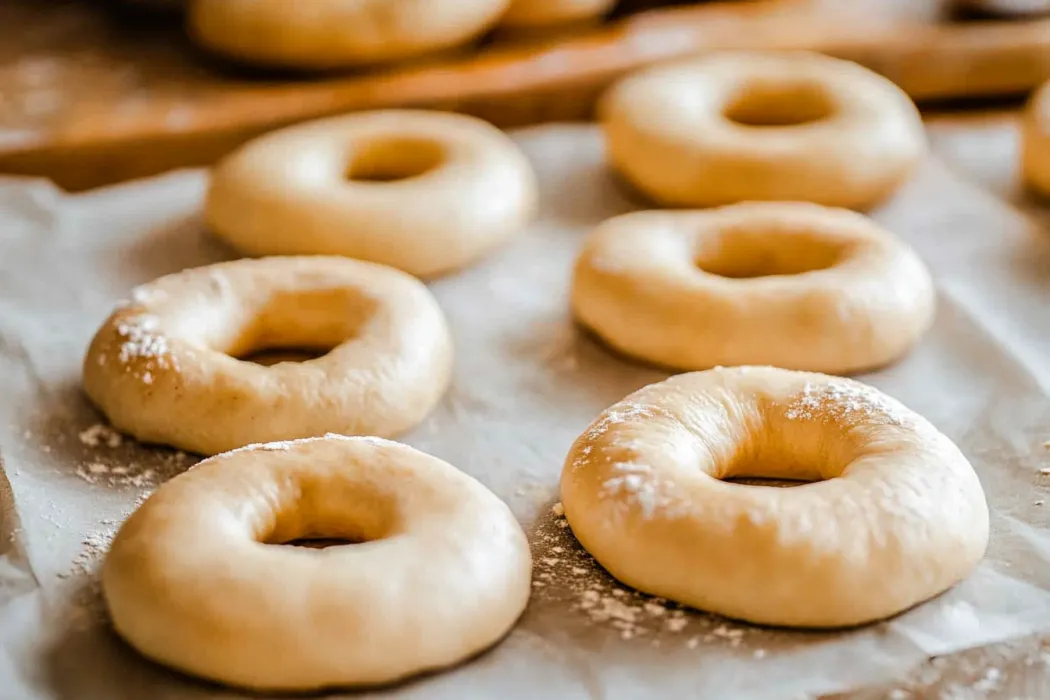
(526, 383)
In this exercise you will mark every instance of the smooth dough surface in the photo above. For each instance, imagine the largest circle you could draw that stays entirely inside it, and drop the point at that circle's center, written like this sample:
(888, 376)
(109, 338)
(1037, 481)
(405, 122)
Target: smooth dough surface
(331, 187)
(194, 580)
(323, 34)
(543, 13)
(1035, 138)
(164, 366)
(789, 284)
(785, 126)
(895, 515)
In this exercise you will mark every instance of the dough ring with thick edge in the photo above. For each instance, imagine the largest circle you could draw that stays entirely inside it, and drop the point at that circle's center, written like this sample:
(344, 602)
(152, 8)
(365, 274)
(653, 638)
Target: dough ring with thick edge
(163, 367)
(324, 34)
(896, 515)
(426, 192)
(789, 284)
(543, 13)
(443, 570)
(1035, 141)
(765, 126)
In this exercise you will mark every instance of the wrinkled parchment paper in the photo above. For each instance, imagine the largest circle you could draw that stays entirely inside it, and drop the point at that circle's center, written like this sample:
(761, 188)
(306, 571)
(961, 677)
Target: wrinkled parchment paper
(527, 383)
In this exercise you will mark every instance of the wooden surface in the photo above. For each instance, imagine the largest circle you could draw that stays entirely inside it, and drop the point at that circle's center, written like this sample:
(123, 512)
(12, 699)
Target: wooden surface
(89, 97)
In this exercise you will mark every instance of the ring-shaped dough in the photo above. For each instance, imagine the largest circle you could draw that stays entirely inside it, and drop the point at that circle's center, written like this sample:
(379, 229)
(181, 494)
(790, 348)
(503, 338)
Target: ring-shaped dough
(441, 573)
(789, 284)
(774, 126)
(529, 14)
(896, 515)
(1035, 137)
(465, 188)
(163, 367)
(323, 34)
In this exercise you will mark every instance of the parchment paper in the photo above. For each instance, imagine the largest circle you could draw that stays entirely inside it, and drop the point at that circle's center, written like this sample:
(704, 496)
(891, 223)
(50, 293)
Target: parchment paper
(527, 382)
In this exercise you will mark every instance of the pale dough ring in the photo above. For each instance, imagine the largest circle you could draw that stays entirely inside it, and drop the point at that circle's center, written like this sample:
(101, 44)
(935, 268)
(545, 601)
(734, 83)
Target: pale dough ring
(163, 367)
(762, 126)
(465, 188)
(442, 572)
(1035, 141)
(323, 34)
(789, 284)
(544, 13)
(896, 515)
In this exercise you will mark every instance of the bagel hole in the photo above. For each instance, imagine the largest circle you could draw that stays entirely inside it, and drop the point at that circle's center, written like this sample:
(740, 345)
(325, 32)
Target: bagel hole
(394, 158)
(773, 104)
(273, 356)
(761, 481)
(749, 255)
(317, 542)
(331, 510)
(295, 326)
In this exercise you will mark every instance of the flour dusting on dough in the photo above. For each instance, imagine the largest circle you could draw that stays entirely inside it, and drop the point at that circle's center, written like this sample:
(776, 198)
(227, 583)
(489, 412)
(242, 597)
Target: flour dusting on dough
(635, 484)
(845, 400)
(142, 341)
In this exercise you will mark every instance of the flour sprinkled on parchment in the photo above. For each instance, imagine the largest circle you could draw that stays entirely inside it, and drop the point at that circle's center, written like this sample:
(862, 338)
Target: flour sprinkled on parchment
(563, 571)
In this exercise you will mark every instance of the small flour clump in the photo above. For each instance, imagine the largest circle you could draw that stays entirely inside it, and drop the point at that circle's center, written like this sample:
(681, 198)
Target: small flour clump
(119, 475)
(142, 341)
(100, 434)
(847, 401)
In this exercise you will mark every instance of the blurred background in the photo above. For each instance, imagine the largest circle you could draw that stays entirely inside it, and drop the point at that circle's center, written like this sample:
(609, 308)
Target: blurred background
(99, 91)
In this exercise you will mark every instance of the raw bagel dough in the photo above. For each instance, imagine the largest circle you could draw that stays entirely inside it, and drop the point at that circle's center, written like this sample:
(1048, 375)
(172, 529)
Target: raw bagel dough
(762, 126)
(897, 514)
(443, 571)
(543, 13)
(466, 188)
(790, 284)
(163, 367)
(1035, 136)
(322, 34)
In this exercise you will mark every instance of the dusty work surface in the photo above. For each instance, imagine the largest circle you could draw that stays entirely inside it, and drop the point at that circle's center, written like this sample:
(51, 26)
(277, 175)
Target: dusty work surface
(527, 383)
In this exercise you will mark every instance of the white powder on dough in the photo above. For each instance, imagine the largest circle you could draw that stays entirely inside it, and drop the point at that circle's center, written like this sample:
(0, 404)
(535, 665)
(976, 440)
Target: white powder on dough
(847, 401)
(141, 340)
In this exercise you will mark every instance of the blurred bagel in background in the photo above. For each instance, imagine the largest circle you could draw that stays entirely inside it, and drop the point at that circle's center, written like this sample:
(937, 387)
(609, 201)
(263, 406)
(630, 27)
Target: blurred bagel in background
(327, 34)
(534, 14)
(1004, 8)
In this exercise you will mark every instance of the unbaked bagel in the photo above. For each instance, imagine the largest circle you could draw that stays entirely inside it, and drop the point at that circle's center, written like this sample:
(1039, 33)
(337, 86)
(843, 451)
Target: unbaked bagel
(789, 284)
(426, 192)
(322, 34)
(544, 13)
(164, 366)
(762, 126)
(896, 515)
(193, 579)
(1035, 141)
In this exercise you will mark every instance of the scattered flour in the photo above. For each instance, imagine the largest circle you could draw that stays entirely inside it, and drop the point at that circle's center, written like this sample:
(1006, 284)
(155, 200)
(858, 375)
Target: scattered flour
(847, 401)
(622, 412)
(566, 573)
(141, 339)
(100, 434)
